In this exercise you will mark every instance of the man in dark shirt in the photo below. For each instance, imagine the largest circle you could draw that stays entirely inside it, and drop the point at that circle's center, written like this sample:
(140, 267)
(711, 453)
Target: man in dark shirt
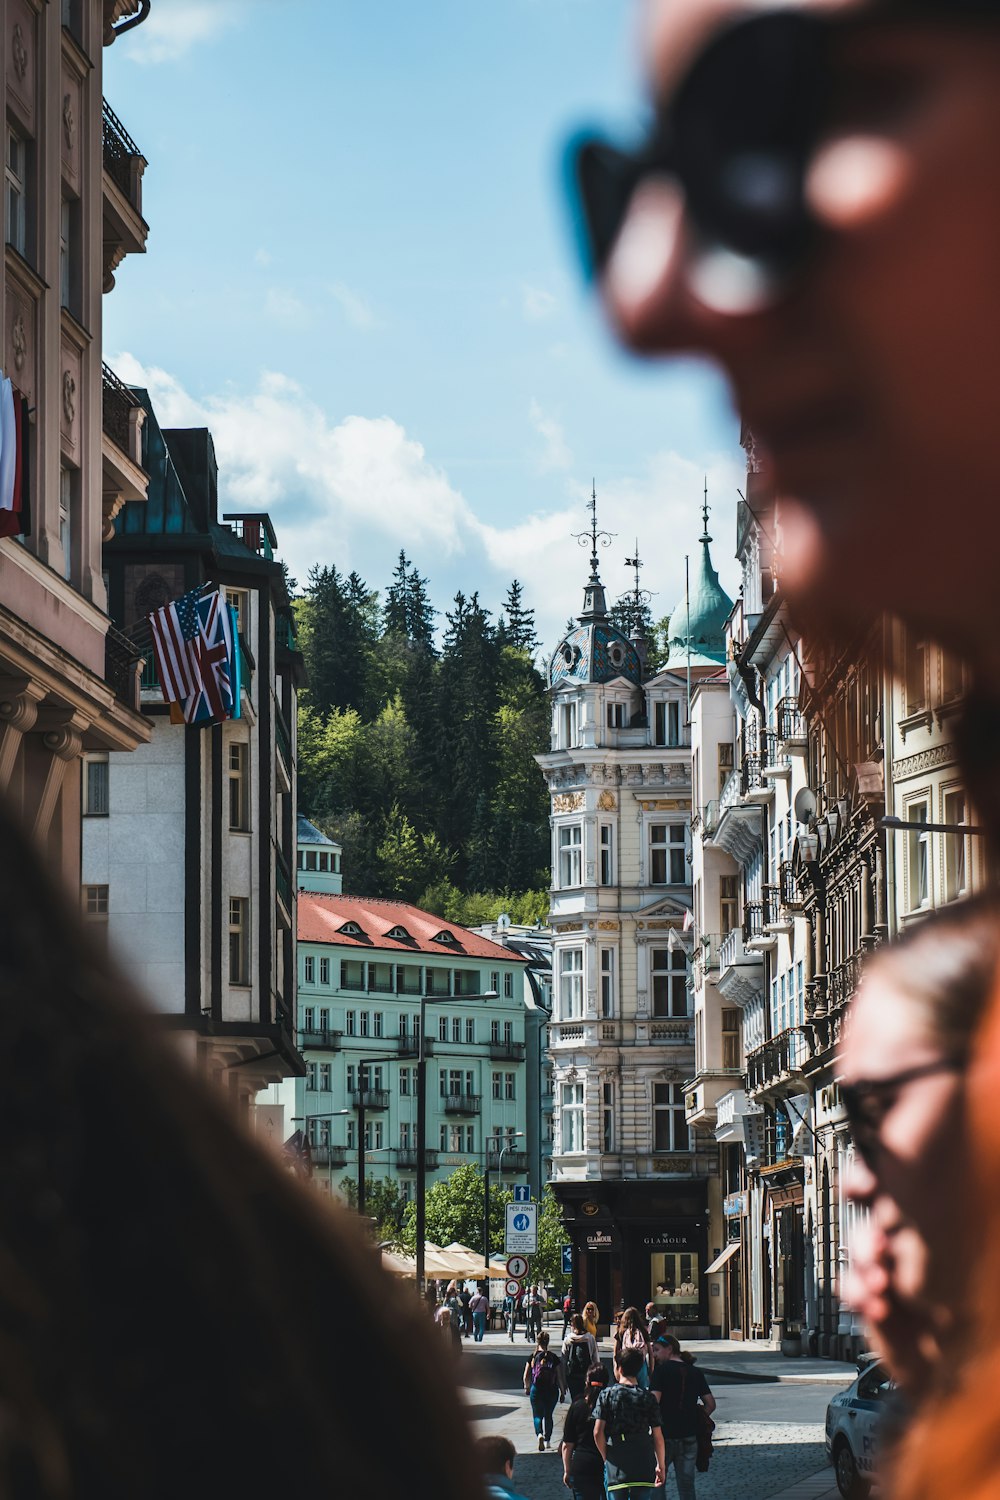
(679, 1388)
(627, 1433)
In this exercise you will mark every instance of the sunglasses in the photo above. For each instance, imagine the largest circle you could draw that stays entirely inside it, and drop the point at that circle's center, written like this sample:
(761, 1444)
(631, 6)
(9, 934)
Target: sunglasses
(738, 136)
(867, 1102)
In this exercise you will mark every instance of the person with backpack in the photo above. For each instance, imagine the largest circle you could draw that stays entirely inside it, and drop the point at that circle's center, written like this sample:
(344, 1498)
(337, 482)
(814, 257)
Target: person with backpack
(686, 1407)
(544, 1385)
(631, 1334)
(579, 1352)
(627, 1433)
(479, 1307)
(583, 1466)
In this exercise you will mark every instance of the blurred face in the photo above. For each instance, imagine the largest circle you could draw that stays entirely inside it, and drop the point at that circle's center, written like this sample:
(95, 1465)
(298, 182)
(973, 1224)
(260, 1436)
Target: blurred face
(870, 382)
(913, 1181)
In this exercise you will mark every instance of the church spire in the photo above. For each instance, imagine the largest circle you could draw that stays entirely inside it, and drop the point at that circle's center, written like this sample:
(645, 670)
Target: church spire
(704, 515)
(595, 605)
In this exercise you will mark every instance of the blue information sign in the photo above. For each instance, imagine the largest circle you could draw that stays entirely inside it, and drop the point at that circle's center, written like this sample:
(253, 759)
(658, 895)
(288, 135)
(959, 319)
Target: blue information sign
(522, 1192)
(567, 1260)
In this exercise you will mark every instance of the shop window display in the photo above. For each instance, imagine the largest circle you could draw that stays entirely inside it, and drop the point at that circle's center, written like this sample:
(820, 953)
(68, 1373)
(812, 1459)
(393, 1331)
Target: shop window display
(674, 1288)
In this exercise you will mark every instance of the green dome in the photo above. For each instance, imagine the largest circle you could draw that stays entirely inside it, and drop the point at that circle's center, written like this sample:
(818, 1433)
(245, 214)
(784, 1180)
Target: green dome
(710, 606)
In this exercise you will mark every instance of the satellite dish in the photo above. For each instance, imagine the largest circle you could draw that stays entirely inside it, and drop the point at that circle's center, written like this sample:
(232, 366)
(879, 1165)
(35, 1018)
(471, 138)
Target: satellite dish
(804, 805)
(503, 921)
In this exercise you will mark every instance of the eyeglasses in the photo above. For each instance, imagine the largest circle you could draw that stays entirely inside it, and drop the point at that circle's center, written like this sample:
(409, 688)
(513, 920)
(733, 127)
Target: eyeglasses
(738, 136)
(867, 1102)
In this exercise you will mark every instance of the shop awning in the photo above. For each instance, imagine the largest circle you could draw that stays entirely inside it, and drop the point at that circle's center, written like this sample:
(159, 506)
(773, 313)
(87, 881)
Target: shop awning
(720, 1260)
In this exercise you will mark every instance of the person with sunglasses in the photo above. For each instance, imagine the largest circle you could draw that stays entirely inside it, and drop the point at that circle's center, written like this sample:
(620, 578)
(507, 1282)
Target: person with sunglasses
(902, 1081)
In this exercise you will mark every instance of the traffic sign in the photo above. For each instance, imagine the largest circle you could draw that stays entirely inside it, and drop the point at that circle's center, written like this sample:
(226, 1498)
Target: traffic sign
(522, 1192)
(512, 1287)
(521, 1229)
(517, 1267)
(567, 1260)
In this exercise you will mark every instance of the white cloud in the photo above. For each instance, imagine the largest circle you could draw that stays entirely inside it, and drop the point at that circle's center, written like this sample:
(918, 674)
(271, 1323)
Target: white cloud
(536, 303)
(176, 27)
(356, 309)
(555, 454)
(352, 492)
(283, 307)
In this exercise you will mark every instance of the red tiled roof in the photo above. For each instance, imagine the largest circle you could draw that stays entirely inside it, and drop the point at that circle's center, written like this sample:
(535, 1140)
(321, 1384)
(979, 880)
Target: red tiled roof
(320, 918)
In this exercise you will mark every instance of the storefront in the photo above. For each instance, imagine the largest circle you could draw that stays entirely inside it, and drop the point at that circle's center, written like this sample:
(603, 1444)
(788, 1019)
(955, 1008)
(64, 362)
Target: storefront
(635, 1243)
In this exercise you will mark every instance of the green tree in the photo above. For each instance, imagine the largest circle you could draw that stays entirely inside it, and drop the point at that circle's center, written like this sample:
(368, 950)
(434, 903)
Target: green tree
(454, 1211)
(383, 1204)
(518, 627)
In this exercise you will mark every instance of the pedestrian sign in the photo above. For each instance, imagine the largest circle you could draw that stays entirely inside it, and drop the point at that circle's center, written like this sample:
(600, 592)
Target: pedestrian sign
(517, 1267)
(567, 1260)
(522, 1192)
(521, 1229)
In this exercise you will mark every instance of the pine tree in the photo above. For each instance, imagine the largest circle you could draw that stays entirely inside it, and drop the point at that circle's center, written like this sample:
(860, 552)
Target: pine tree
(519, 623)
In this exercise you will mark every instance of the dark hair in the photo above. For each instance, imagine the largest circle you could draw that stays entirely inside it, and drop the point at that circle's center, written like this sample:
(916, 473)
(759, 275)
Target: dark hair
(669, 1342)
(576, 1323)
(631, 1361)
(597, 1379)
(170, 1296)
(494, 1453)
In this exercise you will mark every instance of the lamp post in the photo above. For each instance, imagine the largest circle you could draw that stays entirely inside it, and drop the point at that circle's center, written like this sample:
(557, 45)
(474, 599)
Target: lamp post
(508, 1141)
(421, 1188)
(364, 1064)
(330, 1115)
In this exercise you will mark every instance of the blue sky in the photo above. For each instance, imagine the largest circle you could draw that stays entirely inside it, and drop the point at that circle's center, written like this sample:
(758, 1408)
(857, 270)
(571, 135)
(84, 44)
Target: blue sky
(360, 276)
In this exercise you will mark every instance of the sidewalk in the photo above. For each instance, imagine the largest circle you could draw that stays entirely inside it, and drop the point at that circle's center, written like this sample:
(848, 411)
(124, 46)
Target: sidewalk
(736, 1360)
(820, 1486)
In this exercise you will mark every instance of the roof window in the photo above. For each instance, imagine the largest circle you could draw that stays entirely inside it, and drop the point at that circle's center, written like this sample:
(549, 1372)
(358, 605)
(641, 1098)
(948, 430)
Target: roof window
(351, 929)
(400, 934)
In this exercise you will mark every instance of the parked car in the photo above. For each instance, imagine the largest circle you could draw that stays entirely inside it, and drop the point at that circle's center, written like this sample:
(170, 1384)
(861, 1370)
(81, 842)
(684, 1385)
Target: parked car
(853, 1419)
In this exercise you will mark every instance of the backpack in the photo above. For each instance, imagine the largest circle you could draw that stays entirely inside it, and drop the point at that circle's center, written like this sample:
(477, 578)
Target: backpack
(543, 1372)
(578, 1358)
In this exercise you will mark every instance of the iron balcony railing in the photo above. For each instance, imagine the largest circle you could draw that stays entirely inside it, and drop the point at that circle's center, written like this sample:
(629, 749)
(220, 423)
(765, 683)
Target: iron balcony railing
(462, 1104)
(771, 903)
(121, 667)
(328, 1156)
(120, 156)
(282, 738)
(322, 1040)
(753, 921)
(791, 720)
(751, 779)
(117, 405)
(842, 982)
(506, 1051)
(791, 896)
(282, 879)
(513, 1161)
(407, 1158)
(371, 1099)
(777, 1059)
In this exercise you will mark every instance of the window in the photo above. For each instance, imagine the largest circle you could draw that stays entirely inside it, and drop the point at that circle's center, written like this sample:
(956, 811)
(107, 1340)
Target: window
(495, 981)
(377, 1021)
(96, 773)
(71, 16)
(567, 726)
(607, 1117)
(67, 511)
(607, 853)
(669, 976)
(456, 1030)
(571, 984)
(404, 1136)
(570, 856)
(95, 900)
(239, 786)
(370, 1076)
(607, 982)
(352, 974)
(352, 1135)
(438, 981)
(508, 1085)
(498, 1085)
(239, 940)
(374, 1135)
(508, 1033)
(617, 715)
(730, 1037)
(494, 1031)
(952, 677)
(725, 765)
(470, 1031)
(17, 191)
(729, 902)
(915, 673)
(571, 1118)
(380, 977)
(667, 724)
(308, 1019)
(442, 1028)
(670, 1131)
(955, 847)
(667, 863)
(366, 1023)
(324, 971)
(309, 970)
(508, 986)
(69, 256)
(324, 1078)
(409, 979)
(466, 981)
(918, 840)
(311, 1077)
(240, 600)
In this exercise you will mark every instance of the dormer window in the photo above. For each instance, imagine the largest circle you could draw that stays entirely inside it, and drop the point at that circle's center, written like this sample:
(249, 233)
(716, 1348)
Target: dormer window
(667, 724)
(616, 653)
(351, 929)
(399, 934)
(444, 937)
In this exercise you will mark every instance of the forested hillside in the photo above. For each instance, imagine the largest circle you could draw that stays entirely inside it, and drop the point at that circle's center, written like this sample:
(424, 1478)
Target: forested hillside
(419, 758)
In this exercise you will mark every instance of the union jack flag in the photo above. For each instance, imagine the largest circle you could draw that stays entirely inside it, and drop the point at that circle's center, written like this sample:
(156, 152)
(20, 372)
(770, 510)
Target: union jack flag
(216, 693)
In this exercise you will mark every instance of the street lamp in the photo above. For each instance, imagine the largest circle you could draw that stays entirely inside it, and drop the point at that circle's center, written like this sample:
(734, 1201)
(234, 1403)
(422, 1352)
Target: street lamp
(330, 1115)
(421, 1186)
(508, 1141)
(364, 1064)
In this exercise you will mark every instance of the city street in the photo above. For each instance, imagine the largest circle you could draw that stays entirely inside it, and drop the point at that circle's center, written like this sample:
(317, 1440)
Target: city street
(769, 1422)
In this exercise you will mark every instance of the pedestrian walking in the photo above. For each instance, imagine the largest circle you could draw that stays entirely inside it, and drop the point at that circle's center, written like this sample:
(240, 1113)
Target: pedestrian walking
(154, 1343)
(451, 1332)
(532, 1315)
(544, 1385)
(627, 1433)
(569, 1308)
(479, 1307)
(579, 1353)
(465, 1297)
(496, 1459)
(683, 1395)
(591, 1317)
(583, 1465)
(631, 1334)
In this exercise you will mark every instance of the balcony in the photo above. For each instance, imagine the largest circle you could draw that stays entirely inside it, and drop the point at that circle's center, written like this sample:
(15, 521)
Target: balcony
(777, 1060)
(123, 476)
(738, 829)
(791, 722)
(321, 1041)
(283, 881)
(710, 819)
(125, 230)
(773, 760)
(678, 1032)
(702, 1095)
(329, 1156)
(506, 1051)
(123, 667)
(790, 895)
(255, 531)
(462, 1104)
(741, 970)
(842, 982)
(283, 740)
(731, 1109)
(705, 959)
(407, 1158)
(372, 1100)
(513, 1161)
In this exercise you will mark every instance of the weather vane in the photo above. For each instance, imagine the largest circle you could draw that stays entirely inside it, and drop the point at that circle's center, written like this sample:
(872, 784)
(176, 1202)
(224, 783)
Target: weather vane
(637, 601)
(593, 536)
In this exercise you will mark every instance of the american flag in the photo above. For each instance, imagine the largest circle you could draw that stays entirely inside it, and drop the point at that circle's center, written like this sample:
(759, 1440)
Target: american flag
(215, 692)
(176, 633)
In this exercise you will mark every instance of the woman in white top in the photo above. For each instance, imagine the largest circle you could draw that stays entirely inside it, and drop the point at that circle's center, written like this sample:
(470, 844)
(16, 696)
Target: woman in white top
(579, 1352)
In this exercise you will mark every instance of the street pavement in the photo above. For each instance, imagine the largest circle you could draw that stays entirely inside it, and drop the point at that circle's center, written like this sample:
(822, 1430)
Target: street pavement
(769, 1422)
